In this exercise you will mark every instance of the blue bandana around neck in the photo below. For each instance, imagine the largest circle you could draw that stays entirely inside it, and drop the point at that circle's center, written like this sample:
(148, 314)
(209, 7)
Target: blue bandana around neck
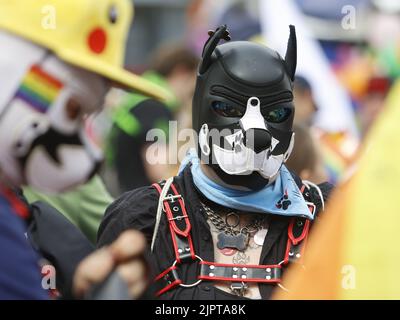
(282, 197)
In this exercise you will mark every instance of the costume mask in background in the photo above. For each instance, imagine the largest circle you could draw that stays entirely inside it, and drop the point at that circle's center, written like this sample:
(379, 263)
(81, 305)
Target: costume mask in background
(243, 110)
(42, 105)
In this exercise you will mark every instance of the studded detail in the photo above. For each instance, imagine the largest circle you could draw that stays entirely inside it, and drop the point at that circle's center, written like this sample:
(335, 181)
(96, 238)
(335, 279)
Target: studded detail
(238, 275)
(299, 223)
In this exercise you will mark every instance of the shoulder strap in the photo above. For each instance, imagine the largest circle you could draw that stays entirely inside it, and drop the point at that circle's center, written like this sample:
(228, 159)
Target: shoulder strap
(162, 188)
(173, 205)
(298, 231)
(308, 197)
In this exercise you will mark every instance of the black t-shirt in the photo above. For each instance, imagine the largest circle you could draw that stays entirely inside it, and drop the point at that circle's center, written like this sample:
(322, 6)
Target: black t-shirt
(137, 209)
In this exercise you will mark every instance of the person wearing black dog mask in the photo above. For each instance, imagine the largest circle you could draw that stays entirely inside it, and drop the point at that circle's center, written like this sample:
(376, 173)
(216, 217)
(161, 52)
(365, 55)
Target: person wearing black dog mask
(234, 217)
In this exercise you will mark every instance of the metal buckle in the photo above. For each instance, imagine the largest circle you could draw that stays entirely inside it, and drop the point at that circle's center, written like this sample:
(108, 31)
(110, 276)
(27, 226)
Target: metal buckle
(191, 284)
(177, 218)
(310, 204)
(172, 198)
(239, 288)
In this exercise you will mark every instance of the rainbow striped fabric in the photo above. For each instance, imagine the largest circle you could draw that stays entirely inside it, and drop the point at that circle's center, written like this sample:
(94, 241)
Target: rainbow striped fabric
(338, 150)
(38, 89)
(354, 253)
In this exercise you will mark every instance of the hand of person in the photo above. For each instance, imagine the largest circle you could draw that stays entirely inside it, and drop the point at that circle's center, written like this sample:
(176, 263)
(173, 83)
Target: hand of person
(124, 255)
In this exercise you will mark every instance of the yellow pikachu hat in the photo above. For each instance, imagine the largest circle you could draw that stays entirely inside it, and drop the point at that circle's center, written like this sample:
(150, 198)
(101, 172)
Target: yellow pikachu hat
(90, 34)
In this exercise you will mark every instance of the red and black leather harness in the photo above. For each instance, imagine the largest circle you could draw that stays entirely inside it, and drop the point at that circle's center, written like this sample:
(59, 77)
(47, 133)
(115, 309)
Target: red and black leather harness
(180, 227)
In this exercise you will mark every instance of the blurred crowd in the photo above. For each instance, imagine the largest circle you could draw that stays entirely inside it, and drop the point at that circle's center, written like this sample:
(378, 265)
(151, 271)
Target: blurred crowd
(364, 63)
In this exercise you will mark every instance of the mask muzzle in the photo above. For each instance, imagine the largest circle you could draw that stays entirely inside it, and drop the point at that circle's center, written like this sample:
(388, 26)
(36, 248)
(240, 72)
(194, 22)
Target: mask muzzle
(250, 148)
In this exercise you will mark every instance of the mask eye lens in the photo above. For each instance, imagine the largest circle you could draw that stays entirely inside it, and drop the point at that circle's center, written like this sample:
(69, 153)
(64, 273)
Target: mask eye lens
(227, 110)
(277, 115)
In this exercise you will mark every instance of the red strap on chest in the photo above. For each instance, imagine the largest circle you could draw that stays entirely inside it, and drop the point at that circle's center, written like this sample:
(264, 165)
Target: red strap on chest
(174, 208)
(297, 235)
(210, 271)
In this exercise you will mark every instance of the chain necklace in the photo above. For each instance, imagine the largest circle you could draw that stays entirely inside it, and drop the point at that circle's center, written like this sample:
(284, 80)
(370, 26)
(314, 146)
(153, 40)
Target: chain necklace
(230, 236)
(221, 225)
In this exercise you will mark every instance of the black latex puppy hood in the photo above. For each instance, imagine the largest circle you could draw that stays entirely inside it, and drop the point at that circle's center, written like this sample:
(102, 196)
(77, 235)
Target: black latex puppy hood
(230, 74)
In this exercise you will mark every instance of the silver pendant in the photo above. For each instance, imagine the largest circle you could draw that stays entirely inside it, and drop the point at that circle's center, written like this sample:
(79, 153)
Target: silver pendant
(260, 235)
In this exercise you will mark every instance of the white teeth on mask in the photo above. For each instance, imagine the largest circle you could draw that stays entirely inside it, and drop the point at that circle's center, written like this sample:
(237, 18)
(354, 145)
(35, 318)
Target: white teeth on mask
(274, 143)
(247, 161)
(271, 166)
(237, 159)
(290, 149)
(203, 140)
(235, 139)
(234, 162)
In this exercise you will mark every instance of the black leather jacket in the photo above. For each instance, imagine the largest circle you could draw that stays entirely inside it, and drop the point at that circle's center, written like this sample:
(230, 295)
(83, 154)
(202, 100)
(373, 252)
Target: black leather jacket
(137, 210)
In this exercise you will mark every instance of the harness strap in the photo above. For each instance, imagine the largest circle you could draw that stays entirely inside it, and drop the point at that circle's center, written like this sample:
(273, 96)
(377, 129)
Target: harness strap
(236, 273)
(297, 236)
(297, 232)
(178, 221)
(170, 279)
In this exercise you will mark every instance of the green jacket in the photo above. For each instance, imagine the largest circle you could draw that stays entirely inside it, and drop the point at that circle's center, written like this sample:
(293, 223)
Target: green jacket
(83, 206)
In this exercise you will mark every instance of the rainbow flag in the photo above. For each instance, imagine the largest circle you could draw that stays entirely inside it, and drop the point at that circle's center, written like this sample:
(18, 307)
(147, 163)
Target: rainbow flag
(39, 89)
(353, 252)
(338, 151)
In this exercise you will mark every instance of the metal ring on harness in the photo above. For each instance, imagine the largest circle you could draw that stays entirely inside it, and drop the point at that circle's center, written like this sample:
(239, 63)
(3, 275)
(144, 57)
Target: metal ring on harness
(282, 286)
(283, 261)
(192, 284)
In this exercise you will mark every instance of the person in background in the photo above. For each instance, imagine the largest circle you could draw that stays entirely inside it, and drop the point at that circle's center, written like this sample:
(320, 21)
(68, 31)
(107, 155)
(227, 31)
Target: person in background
(303, 99)
(306, 160)
(174, 68)
(337, 149)
(359, 231)
(84, 206)
(49, 83)
(373, 101)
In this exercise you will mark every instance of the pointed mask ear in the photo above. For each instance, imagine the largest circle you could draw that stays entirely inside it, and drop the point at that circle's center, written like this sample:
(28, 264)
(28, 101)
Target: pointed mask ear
(209, 47)
(291, 53)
